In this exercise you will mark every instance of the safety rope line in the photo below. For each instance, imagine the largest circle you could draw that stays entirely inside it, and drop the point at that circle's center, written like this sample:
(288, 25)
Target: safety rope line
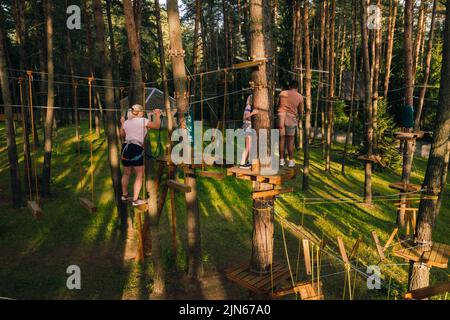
(90, 79)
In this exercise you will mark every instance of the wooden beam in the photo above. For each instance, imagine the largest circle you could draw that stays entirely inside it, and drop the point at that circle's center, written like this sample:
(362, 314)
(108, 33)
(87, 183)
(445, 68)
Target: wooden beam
(88, 204)
(270, 193)
(35, 209)
(248, 64)
(342, 250)
(378, 245)
(391, 238)
(178, 186)
(307, 255)
(212, 174)
(355, 247)
(428, 292)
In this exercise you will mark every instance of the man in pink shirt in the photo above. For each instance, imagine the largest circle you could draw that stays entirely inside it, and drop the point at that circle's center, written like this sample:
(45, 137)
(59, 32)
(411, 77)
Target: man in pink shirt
(290, 106)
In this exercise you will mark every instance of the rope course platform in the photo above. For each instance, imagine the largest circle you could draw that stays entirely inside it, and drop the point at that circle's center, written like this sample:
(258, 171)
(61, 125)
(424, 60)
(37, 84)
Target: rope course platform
(306, 290)
(35, 208)
(276, 179)
(405, 187)
(255, 283)
(436, 257)
(409, 135)
(88, 204)
(373, 158)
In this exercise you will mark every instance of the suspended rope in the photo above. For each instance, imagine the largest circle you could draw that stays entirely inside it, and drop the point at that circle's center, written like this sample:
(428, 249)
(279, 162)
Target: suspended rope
(90, 79)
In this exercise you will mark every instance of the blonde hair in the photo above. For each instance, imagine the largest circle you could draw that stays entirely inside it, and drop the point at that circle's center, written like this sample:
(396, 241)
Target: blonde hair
(135, 112)
(250, 100)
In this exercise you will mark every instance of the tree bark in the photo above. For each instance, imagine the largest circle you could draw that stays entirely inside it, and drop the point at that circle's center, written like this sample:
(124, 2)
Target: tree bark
(390, 44)
(428, 58)
(368, 102)
(111, 133)
(16, 190)
(433, 183)
(262, 243)
(136, 90)
(49, 119)
(351, 118)
(308, 76)
(195, 265)
(330, 104)
(19, 16)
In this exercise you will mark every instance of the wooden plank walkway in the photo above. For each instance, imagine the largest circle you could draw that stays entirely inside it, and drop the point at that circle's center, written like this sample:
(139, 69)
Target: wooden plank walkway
(436, 257)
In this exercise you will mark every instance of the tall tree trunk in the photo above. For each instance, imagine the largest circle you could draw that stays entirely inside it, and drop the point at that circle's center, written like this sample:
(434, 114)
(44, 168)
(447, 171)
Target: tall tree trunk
(330, 105)
(390, 44)
(368, 102)
(375, 76)
(110, 129)
(433, 183)
(115, 61)
(49, 119)
(136, 90)
(263, 213)
(308, 77)
(409, 84)
(421, 20)
(19, 16)
(16, 190)
(429, 55)
(195, 265)
(351, 118)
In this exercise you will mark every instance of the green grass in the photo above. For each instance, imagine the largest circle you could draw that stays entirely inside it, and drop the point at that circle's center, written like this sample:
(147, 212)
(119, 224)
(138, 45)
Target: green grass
(36, 252)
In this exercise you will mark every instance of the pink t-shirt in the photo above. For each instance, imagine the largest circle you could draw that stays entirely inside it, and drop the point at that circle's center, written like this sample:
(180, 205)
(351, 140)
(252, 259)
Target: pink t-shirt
(136, 130)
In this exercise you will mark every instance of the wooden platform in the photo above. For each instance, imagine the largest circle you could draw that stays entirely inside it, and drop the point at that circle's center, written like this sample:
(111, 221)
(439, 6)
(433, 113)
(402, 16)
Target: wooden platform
(405, 187)
(242, 276)
(409, 135)
(88, 204)
(306, 290)
(284, 173)
(436, 257)
(373, 158)
(35, 208)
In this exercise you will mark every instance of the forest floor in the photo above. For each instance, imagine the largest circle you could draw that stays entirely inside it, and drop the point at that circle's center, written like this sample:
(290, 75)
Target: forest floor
(35, 253)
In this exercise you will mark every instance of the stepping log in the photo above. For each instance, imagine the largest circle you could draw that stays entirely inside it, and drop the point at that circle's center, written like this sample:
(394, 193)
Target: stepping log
(270, 193)
(409, 135)
(178, 186)
(428, 292)
(35, 209)
(88, 204)
(212, 174)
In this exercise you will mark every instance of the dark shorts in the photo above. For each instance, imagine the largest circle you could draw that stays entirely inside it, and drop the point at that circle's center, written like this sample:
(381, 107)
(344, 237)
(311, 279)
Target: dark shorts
(132, 155)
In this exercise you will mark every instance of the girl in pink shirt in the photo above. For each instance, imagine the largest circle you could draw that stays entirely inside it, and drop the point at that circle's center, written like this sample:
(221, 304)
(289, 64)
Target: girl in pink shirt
(134, 131)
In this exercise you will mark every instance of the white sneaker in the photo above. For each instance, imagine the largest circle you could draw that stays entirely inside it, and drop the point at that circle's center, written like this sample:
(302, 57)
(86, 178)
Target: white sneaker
(291, 164)
(282, 163)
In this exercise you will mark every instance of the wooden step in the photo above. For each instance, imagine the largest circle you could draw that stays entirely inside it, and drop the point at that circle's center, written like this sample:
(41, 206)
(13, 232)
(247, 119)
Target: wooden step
(405, 187)
(409, 135)
(212, 174)
(271, 193)
(181, 187)
(88, 204)
(35, 208)
(428, 292)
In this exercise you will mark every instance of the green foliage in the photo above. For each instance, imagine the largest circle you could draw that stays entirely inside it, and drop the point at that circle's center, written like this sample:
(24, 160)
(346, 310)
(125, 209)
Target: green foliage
(386, 144)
